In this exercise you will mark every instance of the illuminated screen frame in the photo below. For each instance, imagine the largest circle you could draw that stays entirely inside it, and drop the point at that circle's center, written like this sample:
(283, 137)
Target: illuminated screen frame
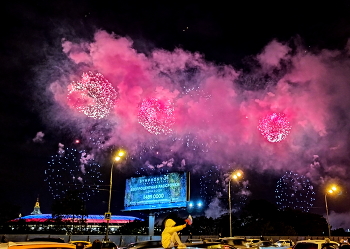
(157, 192)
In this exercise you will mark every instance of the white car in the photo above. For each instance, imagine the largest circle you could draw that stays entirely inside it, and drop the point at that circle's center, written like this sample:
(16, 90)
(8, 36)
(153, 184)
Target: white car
(284, 243)
(316, 244)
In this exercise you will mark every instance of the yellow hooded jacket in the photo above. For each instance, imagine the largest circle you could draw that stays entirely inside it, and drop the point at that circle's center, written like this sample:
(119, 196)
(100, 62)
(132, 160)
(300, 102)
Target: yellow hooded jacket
(168, 232)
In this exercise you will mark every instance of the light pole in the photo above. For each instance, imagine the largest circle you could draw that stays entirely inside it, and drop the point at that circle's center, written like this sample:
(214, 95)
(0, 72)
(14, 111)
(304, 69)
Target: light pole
(330, 191)
(235, 175)
(108, 215)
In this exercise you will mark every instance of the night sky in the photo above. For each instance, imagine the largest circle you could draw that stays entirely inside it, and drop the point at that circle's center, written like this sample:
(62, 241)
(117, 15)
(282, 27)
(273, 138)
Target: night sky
(215, 73)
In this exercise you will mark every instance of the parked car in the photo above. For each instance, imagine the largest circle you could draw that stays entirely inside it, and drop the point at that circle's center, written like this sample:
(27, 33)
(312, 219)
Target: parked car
(208, 245)
(265, 243)
(191, 244)
(109, 244)
(233, 242)
(36, 245)
(105, 244)
(344, 246)
(316, 244)
(194, 241)
(146, 244)
(284, 243)
(60, 240)
(252, 242)
(81, 244)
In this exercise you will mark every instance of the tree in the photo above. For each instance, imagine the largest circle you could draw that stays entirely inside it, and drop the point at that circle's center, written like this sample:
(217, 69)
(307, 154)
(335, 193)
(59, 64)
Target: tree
(134, 228)
(259, 217)
(305, 223)
(8, 211)
(69, 211)
(203, 225)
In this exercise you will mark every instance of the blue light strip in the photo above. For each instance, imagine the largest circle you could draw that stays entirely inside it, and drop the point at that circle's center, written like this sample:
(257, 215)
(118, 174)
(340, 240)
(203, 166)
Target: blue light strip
(157, 206)
(92, 216)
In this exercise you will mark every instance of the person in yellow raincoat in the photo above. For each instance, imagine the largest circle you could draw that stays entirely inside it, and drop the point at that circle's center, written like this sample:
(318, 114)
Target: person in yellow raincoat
(170, 238)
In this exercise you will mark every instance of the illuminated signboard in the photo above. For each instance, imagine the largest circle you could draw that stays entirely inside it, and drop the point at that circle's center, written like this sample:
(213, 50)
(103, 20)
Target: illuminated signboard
(155, 192)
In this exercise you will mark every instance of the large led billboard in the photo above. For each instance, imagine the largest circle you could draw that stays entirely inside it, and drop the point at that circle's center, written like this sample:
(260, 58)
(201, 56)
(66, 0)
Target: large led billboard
(155, 192)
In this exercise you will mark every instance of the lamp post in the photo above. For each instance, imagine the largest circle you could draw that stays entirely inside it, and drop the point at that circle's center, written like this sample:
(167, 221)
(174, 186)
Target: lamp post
(331, 190)
(108, 215)
(235, 175)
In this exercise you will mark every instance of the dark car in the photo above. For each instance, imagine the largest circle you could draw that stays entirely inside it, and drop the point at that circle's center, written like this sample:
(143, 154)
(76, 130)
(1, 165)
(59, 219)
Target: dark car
(105, 245)
(146, 244)
(60, 240)
(109, 244)
(232, 242)
(344, 246)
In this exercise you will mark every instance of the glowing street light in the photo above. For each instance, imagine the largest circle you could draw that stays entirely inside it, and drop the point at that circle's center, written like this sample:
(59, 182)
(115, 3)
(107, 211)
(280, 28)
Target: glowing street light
(333, 189)
(108, 215)
(235, 176)
(195, 206)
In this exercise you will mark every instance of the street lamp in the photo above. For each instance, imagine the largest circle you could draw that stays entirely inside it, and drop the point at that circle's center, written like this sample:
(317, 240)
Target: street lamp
(331, 190)
(235, 176)
(108, 215)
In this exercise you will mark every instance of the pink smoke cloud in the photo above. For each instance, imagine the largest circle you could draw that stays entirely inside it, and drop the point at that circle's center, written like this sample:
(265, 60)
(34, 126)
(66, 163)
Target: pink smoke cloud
(222, 116)
(272, 55)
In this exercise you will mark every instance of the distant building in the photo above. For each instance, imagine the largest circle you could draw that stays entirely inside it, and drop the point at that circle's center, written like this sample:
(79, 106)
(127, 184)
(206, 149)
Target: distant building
(36, 207)
(38, 221)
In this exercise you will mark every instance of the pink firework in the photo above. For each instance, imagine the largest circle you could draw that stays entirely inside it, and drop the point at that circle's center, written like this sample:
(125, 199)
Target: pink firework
(156, 116)
(274, 127)
(93, 95)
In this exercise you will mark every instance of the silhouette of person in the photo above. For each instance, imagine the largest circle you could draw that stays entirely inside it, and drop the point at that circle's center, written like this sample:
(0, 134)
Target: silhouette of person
(97, 244)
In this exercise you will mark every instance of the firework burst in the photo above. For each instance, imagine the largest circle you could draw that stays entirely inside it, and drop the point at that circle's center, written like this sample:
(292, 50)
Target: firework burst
(274, 127)
(93, 95)
(72, 170)
(156, 116)
(294, 191)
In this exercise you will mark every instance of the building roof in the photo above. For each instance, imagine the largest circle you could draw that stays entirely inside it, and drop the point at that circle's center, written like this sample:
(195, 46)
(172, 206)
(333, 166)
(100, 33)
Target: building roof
(90, 219)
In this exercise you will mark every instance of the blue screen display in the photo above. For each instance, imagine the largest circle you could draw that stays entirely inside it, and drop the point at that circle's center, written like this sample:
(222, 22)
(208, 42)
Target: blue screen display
(155, 192)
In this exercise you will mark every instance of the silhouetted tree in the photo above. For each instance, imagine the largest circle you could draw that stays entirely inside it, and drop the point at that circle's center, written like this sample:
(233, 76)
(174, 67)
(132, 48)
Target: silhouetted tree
(133, 228)
(259, 217)
(69, 210)
(305, 223)
(8, 211)
(340, 232)
(203, 225)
